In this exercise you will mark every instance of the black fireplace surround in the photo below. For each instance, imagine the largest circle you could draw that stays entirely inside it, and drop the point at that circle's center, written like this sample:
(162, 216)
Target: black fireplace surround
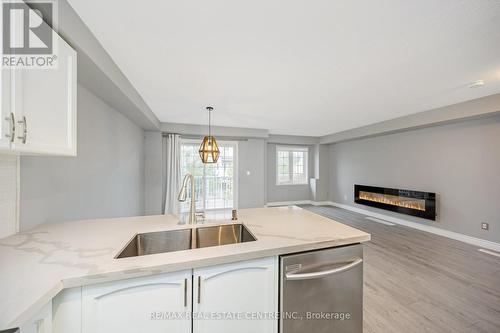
(415, 203)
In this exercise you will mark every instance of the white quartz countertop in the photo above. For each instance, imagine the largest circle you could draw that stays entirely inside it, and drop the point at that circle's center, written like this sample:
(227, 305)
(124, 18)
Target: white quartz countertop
(37, 264)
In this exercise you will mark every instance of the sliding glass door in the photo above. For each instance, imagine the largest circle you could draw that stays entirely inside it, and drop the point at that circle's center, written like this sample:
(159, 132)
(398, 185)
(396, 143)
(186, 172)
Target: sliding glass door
(215, 184)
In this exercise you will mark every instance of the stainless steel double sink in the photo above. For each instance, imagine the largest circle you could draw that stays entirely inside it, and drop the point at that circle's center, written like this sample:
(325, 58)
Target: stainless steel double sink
(185, 239)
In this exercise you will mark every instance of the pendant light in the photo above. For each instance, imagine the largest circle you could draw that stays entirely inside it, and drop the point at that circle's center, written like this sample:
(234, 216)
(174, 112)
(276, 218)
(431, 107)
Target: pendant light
(209, 150)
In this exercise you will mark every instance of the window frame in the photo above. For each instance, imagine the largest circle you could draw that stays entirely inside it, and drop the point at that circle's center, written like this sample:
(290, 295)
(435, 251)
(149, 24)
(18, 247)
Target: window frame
(291, 150)
(221, 143)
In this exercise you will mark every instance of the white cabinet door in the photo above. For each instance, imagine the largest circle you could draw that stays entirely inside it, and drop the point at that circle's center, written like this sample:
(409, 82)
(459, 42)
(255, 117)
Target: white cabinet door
(45, 105)
(232, 295)
(139, 305)
(67, 311)
(41, 323)
(7, 118)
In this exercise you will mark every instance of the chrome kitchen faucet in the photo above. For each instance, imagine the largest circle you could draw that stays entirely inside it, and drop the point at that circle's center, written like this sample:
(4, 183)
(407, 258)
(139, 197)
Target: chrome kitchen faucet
(183, 196)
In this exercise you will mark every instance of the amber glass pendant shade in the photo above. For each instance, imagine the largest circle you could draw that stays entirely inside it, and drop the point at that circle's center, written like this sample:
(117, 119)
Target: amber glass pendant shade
(209, 150)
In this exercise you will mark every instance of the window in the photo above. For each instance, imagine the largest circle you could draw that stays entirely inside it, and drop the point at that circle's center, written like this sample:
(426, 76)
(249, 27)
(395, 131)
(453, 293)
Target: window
(291, 165)
(215, 184)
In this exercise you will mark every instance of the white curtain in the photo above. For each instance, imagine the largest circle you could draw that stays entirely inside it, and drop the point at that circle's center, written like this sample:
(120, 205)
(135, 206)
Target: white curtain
(172, 149)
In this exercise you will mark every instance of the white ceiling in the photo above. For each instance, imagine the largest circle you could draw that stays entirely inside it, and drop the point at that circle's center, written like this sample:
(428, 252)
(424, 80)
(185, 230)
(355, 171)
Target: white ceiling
(299, 67)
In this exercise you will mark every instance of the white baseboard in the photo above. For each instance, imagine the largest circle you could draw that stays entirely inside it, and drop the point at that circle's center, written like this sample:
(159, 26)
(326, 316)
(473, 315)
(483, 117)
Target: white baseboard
(438, 231)
(374, 219)
(288, 203)
(492, 253)
(321, 203)
(299, 202)
(427, 228)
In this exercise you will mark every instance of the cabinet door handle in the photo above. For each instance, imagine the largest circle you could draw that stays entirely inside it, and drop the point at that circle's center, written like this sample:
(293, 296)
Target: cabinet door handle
(25, 130)
(185, 292)
(12, 126)
(199, 289)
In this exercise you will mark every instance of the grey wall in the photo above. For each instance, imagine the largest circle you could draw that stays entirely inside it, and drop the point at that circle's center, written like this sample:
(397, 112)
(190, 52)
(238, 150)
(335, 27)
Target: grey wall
(252, 187)
(460, 162)
(106, 179)
(280, 193)
(154, 173)
(321, 173)
(293, 140)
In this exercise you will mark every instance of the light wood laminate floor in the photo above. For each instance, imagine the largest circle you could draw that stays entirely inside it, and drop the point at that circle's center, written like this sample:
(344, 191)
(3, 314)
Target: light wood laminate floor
(416, 281)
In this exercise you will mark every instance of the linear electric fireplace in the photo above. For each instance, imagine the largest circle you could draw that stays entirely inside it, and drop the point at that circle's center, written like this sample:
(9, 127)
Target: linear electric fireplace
(416, 203)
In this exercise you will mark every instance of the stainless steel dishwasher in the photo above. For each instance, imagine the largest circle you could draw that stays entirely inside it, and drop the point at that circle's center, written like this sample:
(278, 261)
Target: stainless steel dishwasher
(322, 291)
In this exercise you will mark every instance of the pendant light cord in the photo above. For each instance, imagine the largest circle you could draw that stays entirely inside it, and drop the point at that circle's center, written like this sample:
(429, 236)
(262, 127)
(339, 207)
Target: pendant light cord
(209, 108)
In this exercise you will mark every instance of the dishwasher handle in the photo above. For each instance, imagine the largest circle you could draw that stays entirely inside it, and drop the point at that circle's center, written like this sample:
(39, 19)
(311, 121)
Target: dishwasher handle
(320, 274)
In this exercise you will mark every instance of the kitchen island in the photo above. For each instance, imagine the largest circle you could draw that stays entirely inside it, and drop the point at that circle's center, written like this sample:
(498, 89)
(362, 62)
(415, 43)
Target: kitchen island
(37, 265)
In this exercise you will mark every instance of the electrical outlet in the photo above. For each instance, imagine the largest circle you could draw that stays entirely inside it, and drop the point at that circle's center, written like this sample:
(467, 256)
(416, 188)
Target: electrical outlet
(485, 226)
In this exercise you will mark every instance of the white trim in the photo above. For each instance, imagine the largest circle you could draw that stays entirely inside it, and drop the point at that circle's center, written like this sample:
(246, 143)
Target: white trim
(374, 219)
(221, 143)
(298, 202)
(18, 195)
(422, 227)
(427, 228)
(292, 149)
(191, 141)
(236, 173)
(289, 203)
(496, 254)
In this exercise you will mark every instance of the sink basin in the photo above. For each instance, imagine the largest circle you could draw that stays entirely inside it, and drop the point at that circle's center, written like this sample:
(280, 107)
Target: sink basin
(157, 242)
(185, 239)
(223, 235)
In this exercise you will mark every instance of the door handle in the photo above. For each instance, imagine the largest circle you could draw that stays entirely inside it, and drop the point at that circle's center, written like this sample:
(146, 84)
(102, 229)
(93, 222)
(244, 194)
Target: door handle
(12, 126)
(185, 292)
(25, 130)
(320, 274)
(199, 289)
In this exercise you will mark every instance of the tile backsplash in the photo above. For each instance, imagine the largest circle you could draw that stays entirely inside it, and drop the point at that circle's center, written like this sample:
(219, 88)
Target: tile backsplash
(9, 189)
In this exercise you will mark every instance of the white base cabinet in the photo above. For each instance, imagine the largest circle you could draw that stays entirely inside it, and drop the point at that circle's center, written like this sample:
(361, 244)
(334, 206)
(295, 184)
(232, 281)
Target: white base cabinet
(240, 297)
(139, 305)
(41, 323)
(219, 299)
(67, 311)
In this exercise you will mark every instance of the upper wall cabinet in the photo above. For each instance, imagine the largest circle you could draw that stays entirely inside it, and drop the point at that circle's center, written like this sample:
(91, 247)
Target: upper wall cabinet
(7, 121)
(45, 105)
(38, 106)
